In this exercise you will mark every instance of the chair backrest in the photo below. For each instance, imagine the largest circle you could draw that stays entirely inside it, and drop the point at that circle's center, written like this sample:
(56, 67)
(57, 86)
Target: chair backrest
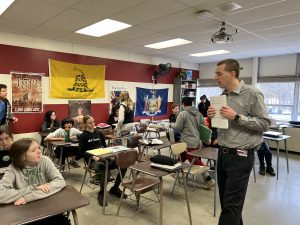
(126, 159)
(141, 128)
(107, 131)
(178, 148)
(133, 141)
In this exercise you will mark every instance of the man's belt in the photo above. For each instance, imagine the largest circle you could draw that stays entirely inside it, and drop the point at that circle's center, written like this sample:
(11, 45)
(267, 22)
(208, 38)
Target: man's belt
(235, 151)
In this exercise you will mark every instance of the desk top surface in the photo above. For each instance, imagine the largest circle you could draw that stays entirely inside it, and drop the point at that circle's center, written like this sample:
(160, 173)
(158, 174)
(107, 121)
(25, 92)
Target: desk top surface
(65, 200)
(207, 153)
(282, 137)
(63, 143)
(145, 167)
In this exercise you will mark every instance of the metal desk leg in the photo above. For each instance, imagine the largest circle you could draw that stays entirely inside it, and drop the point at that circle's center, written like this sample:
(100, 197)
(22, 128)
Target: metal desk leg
(86, 170)
(161, 201)
(76, 221)
(215, 188)
(286, 156)
(286, 152)
(105, 185)
(277, 150)
(186, 197)
(60, 158)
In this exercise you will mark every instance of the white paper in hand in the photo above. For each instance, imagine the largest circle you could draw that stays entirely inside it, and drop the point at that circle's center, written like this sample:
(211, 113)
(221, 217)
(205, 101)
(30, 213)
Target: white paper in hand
(218, 120)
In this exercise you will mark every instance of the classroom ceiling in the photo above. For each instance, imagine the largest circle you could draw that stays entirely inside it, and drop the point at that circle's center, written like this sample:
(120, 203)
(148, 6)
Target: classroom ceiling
(265, 27)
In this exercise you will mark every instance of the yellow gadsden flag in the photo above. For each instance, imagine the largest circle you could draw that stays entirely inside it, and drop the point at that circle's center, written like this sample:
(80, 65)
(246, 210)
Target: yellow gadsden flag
(76, 81)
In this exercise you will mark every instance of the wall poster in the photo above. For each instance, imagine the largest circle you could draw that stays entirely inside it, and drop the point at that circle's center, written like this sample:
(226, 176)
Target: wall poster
(26, 92)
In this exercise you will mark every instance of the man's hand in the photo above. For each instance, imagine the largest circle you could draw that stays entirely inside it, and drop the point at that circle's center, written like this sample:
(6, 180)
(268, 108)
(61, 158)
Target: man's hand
(96, 158)
(228, 112)
(211, 112)
(44, 188)
(20, 201)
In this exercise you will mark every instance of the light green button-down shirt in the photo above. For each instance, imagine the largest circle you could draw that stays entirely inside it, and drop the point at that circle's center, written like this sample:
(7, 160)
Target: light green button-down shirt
(247, 132)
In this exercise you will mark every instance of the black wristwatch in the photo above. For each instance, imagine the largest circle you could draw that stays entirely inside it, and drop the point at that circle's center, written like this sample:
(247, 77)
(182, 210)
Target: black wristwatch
(237, 117)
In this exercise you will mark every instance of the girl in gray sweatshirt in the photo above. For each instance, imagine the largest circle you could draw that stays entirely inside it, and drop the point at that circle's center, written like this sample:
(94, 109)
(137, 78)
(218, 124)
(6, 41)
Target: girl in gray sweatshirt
(31, 176)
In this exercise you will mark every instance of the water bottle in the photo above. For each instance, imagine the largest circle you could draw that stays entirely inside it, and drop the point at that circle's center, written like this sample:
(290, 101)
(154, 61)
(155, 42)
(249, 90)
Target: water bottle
(67, 135)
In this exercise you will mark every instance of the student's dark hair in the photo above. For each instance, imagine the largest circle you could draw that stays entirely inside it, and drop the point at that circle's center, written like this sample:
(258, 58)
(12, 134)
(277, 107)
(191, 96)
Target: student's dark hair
(187, 101)
(47, 117)
(115, 109)
(65, 121)
(86, 118)
(3, 86)
(6, 130)
(18, 150)
(174, 105)
(231, 65)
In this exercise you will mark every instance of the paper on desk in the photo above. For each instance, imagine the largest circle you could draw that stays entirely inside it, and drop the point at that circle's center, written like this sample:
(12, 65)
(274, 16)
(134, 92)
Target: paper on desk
(118, 148)
(218, 120)
(100, 151)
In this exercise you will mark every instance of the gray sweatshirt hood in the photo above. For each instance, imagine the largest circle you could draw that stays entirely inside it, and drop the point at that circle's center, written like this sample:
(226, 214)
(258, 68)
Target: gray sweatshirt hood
(192, 110)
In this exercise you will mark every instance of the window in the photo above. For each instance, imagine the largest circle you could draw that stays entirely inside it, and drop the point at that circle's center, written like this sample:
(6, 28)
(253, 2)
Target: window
(210, 91)
(279, 98)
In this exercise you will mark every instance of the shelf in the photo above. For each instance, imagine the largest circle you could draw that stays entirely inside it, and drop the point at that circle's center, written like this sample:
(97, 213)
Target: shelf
(192, 81)
(189, 88)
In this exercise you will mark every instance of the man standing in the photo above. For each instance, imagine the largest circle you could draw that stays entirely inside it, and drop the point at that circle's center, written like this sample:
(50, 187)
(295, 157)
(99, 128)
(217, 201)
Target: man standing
(248, 119)
(5, 108)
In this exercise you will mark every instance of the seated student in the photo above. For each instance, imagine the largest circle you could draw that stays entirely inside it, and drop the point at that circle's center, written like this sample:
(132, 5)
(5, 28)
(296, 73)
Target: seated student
(264, 153)
(187, 123)
(6, 140)
(50, 122)
(172, 119)
(114, 116)
(92, 138)
(30, 177)
(59, 135)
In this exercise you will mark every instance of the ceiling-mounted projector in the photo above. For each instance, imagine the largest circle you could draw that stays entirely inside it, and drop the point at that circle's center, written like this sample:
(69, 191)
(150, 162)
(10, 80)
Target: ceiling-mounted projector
(221, 37)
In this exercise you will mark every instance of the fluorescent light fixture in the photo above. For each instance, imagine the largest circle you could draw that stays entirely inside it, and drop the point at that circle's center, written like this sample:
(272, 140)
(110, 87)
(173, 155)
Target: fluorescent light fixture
(4, 4)
(103, 27)
(218, 52)
(169, 43)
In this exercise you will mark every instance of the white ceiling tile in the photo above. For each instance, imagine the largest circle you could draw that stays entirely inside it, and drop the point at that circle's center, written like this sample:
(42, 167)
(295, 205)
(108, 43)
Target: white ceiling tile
(104, 8)
(149, 39)
(62, 2)
(147, 11)
(276, 21)
(76, 38)
(13, 26)
(72, 20)
(31, 11)
(192, 2)
(160, 20)
(129, 33)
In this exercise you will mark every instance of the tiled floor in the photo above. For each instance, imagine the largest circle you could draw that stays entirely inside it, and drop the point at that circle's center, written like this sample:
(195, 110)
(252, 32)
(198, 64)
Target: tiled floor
(268, 201)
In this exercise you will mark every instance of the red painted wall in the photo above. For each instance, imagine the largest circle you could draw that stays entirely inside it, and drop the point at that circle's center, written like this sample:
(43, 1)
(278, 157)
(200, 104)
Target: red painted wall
(22, 59)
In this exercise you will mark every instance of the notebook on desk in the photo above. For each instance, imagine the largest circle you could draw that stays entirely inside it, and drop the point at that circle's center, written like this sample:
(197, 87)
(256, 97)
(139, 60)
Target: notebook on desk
(272, 134)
